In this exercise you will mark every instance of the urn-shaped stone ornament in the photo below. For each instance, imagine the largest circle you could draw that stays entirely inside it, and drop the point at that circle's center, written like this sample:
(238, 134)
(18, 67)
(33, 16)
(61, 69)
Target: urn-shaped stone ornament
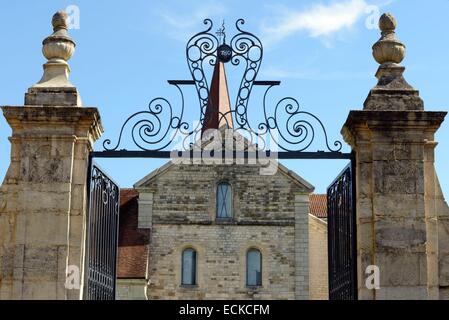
(59, 46)
(388, 49)
(55, 88)
(392, 91)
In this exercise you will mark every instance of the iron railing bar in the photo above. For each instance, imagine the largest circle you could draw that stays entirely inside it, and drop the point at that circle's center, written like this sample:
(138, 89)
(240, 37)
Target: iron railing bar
(284, 155)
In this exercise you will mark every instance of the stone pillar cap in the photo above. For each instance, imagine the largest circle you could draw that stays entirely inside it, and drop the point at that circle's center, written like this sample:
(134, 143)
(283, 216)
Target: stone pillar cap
(392, 91)
(54, 88)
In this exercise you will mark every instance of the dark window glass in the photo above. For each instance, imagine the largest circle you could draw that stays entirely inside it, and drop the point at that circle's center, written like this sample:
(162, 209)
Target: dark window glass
(189, 267)
(224, 200)
(253, 268)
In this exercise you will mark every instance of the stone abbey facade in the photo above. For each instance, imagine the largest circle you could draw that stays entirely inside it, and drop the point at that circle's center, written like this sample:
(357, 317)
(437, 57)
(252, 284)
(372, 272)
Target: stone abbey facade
(267, 213)
(225, 231)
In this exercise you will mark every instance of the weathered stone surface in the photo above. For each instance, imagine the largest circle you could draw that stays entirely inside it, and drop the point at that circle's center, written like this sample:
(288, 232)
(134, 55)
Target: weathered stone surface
(397, 188)
(65, 97)
(402, 293)
(257, 198)
(270, 213)
(221, 261)
(402, 268)
(407, 101)
(386, 175)
(43, 212)
(318, 266)
(403, 234)
(395, 196)
(131, 289)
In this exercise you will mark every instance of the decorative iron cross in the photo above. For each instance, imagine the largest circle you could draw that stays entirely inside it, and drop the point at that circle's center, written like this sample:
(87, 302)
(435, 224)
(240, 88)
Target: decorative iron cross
(221, 33)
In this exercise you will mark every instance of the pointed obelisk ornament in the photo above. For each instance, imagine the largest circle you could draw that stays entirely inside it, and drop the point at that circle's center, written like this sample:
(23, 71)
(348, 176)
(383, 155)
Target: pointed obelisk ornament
(392, 92)
(55, 89)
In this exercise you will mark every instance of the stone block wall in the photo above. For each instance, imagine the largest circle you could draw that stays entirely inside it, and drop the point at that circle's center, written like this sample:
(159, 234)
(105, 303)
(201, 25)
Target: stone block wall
(43, 201)
(319, 283)
(221, 261)
(397, 219)
(131, 289)
(266, 210)
(187, 193)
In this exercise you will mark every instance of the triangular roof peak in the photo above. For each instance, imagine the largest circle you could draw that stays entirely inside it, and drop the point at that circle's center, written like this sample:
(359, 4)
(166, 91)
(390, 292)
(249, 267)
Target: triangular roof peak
(248, 146)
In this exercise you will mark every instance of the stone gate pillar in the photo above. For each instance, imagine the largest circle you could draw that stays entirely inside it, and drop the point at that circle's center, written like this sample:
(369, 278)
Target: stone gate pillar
(399, 200)
(43, 196)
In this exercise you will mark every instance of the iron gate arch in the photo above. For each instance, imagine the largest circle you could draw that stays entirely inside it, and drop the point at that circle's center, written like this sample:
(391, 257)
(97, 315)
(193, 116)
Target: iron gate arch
(285, 126)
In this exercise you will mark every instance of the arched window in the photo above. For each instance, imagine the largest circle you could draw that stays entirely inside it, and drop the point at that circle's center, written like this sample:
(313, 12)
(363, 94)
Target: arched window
(224, 200)
(253, 268)
(188, 267)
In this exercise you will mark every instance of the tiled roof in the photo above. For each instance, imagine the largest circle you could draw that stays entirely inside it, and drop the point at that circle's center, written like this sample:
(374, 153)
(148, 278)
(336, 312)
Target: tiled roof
(318, 205)
(132, 243)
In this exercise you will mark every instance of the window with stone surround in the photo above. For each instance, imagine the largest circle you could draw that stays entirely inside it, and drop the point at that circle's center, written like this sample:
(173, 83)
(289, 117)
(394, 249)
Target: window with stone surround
(189, 264)
(253, 268)
(224, 200)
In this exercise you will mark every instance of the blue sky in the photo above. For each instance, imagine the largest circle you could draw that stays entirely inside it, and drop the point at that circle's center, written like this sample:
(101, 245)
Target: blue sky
(320, 50)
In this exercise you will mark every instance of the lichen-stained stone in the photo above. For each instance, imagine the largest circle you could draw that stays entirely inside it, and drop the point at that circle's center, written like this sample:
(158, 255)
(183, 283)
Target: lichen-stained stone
(399, 268)
(399, 202)
(44, 165)
(396, 205)
(404, 234)
(42, 198)
(40, 262)
(395, 193)
(44, 207)
(386, 175)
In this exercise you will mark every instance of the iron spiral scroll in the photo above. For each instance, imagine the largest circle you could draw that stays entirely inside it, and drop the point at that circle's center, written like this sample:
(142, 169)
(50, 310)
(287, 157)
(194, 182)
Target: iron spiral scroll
(284, 124)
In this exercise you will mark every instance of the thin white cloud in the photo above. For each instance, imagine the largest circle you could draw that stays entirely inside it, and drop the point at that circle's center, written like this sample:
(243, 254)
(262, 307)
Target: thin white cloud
(181, 26)
(319, 20)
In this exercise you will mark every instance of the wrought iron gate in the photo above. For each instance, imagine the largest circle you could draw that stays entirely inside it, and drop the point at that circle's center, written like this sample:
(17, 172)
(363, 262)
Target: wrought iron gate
(162, 130)
(104, 198)
(341, 226)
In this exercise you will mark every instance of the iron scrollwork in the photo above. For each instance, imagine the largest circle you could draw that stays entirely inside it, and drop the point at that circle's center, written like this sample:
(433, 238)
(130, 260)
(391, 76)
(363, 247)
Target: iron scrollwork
(284, 124)
(291, 128)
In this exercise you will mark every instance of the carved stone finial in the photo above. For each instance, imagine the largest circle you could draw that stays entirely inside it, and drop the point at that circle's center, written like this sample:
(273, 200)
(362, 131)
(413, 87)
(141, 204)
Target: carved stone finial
(59, 21)
(392, 91)
(388, 49)
(58, 48)
(387, 22)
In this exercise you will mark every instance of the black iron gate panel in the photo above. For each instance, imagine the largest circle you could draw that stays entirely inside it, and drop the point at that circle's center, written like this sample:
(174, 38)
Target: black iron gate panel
(341, 224)
(104, 198)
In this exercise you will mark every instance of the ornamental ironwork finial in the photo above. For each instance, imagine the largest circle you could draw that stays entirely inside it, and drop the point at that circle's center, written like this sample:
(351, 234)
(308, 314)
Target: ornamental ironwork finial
(221, 34)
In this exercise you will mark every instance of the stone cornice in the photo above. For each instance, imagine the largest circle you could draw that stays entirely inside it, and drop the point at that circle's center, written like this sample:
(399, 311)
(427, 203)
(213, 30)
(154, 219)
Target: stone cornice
(74, 117)
(395, 119)
(361, 124)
